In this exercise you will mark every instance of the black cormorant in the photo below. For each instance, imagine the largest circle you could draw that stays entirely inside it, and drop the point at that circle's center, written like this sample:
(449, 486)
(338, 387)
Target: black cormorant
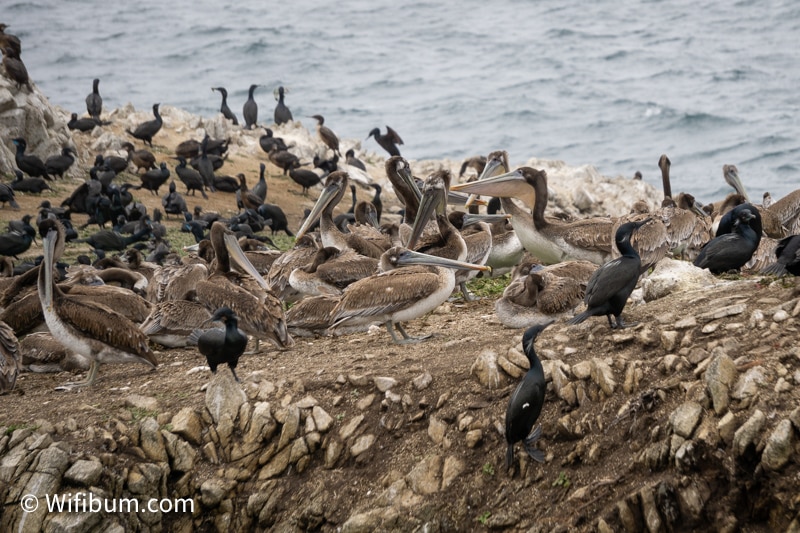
(282, 113)
(145, 131)
(224, 109)
(388, 141)
(731, 251)
(326, 134)
(29, 163)
(250, 109)
(526, 402)
(94, 102)
(609, 287)
(788, 254)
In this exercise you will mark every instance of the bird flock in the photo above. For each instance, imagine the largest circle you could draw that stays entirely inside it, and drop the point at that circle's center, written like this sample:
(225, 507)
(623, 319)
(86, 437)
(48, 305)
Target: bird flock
(344, 272)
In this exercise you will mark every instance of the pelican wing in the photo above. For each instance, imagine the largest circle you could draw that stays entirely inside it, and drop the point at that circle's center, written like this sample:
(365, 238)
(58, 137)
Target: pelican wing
(102, 323)
(383, 294)
(591, 234)
(9, 358)
(347, 268)
(312, 313)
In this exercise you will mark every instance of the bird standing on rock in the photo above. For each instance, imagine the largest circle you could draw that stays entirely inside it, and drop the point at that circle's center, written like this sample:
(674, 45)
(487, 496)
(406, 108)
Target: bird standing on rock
(326, 134)
(731, 251)
(146, 130)
(29, 163)
(282, 113)
(94, 102)
(610, 286)
(223, 345)
(223, 108)
(250, 109)
(388, 141)
(526, 402)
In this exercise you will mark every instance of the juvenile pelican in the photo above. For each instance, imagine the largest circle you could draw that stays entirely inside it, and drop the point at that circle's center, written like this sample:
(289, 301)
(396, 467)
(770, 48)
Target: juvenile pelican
(89, 329)
(549, 239)
(399, 294)
(336, 185)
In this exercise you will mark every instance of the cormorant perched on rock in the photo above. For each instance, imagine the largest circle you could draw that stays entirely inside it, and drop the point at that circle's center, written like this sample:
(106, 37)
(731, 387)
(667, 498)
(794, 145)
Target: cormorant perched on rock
(111, 240)
(388, 141)
(83, 124)
(327, 165)
(731, 251)
(267, 141)
(153, 179)
(29, 163)
(142, 159)
(788, 254)
(609, 287)
(146, 130)
(8, 40)
(57, 165)
(376, 200)
(282, 113)
(223, 345)
(23, 184)
(283, 159)
(526, 402)
(13, 243)
(190, 177)
(277, 218)
(224, 109)
(326, 134)
(353, 161)
(250, 109)
(94, 102)
(15, 68)
(205, 167)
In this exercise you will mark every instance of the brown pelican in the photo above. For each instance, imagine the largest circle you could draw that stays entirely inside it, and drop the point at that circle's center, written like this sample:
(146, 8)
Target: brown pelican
(787, 211)
(302, 253)
(543, 293)
(41, 353)
(478, 238)
(331, 271)
(549, 239)
(261, 313)
(435, 240)
(9, 358)
(92, 330)
(773, 220)
(410, 284)
(335, 186)
(312, 316)
(171, 322)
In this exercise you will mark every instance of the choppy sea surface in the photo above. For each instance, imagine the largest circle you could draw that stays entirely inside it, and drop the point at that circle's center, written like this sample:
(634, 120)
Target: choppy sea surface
(612, 83)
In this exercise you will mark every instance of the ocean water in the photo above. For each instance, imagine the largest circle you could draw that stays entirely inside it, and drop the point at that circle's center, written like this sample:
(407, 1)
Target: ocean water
(610, 83)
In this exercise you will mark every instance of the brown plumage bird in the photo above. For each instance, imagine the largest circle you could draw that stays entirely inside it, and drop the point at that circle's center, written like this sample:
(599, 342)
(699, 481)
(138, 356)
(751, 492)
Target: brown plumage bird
(15, 68)
(326, 134)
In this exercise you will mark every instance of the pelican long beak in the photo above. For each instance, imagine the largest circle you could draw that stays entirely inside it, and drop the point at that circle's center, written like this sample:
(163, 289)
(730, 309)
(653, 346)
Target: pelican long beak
(493, 165)
(697, 209)
(459, 199)
(733, 179)
(235, 252)
(509, 185)
(433, 199)
(471, 218)
(410, 257)
(327, 195)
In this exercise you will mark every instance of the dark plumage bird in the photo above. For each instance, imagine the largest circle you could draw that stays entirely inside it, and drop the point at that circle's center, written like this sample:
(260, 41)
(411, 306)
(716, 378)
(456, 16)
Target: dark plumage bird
(13, 243)
(526, 402)
(305, 178)
(8, 40)
(728, 221)
(353, 161)
(327, 165)
(223, 108)
(173, 202)
(223, 345)
(609, 287)
(111, 240)
(153, 179)
(788, 254)
(376, 200)
(260, 188)
(114, 162)
(142, 159)
(276, 216)
(29, 163)
(283, 159)
(94, 102)
(226, 183)
(250, 109)
(326, 134)
(282, 113)
(7, 196)
(730, 251)
(22, 184)
(57, 165)
(15, 68)
(204, 166)
(190, 177)
(146, 130)
(83, 124)
(267, 141)
(388, 141)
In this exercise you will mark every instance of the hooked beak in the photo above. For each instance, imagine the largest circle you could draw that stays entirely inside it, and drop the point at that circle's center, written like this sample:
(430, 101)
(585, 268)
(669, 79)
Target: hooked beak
(509, 185)
(327, 195)
(410, 257)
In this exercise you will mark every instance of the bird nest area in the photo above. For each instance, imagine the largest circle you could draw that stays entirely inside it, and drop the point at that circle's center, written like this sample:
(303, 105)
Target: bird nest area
(597, 441)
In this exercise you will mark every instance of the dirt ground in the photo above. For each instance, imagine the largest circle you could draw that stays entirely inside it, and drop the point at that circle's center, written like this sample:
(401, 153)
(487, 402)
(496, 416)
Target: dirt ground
(587, 470)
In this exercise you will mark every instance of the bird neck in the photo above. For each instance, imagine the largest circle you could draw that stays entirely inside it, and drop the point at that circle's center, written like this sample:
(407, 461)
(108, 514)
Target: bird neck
(626, 249)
